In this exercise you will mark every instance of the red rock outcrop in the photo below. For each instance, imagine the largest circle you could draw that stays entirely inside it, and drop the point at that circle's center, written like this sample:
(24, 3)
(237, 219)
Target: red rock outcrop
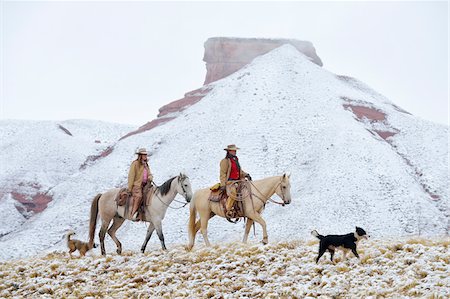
(36, 204)
(225, 55)
(365, 112)
(93, 158)
(189, 99)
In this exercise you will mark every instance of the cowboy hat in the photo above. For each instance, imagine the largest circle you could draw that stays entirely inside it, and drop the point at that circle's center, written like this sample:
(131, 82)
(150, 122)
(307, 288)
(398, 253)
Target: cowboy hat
(142, 151)
(231, 147)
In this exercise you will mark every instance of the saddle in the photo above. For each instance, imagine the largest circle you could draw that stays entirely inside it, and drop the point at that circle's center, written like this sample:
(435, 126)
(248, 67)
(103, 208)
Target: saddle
(123, 199)
(221, 196)
(218, 195)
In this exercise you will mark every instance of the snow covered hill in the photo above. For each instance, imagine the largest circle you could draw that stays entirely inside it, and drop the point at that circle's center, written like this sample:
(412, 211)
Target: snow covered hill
(354, 157)
(37, 155)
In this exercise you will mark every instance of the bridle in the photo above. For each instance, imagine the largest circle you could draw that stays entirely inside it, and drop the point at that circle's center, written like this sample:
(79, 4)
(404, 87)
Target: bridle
(180, 181)
(283, 196)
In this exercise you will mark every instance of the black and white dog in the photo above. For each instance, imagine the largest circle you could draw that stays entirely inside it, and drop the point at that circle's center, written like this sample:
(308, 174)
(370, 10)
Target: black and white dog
(344, 242)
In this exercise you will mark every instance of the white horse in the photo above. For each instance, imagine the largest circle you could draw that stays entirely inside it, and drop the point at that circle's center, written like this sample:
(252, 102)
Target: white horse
(106, 206)
(253, 205)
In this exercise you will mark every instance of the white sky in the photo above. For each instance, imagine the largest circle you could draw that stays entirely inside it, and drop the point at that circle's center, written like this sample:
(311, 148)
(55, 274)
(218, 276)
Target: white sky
(121, 61)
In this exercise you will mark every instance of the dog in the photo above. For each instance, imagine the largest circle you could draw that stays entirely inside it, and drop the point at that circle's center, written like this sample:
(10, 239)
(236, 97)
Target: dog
(344, 242)
(74, 244)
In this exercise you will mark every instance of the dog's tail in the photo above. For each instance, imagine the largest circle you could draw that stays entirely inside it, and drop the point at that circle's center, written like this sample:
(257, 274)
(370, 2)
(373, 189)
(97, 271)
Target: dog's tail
(69, 233)
(317, 235)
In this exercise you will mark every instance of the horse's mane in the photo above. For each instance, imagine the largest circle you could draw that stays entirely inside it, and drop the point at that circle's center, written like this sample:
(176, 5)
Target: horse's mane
(165, 187)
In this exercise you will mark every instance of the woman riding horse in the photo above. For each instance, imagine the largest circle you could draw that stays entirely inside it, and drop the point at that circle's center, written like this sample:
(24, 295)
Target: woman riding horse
(138, 177)
(105, 207)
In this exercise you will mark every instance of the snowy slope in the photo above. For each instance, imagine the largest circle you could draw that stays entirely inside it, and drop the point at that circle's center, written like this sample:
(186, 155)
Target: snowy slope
(37, 155)
(287, 115)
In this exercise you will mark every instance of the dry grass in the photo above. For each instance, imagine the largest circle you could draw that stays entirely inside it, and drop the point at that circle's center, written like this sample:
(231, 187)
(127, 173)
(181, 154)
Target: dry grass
(417, 267)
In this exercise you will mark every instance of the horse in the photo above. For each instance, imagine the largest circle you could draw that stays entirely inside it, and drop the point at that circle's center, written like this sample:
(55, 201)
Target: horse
(253, 205)
(106, 206)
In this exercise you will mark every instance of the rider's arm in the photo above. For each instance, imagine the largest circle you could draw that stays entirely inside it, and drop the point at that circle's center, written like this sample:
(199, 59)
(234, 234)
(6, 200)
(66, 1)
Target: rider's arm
(131, 176)
(223, 172)
(150, 175)
(243, 174)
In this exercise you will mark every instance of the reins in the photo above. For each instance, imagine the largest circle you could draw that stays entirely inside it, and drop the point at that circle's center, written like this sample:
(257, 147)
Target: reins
(168, 205)
(269, 198)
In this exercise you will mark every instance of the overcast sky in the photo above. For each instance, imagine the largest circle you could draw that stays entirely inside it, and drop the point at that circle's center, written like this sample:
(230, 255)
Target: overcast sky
(121, 61)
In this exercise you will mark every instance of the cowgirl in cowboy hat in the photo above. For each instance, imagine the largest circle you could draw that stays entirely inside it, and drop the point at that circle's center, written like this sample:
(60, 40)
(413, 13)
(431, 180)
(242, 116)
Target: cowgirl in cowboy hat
(230, 170)
(138, 176)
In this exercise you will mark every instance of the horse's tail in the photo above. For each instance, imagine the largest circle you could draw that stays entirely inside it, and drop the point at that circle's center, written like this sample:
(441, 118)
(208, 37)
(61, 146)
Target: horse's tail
(93, 219)
(191, 224)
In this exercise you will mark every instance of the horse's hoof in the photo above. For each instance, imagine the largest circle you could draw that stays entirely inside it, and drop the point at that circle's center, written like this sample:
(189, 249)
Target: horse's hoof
(119, 251)
(142, 250)
(265, 241)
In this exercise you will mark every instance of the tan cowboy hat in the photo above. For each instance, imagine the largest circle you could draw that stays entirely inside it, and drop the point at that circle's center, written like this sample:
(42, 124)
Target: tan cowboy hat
(142, 151)
(231, 147)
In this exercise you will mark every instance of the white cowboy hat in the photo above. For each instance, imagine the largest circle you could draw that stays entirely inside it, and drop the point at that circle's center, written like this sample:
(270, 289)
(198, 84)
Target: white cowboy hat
(142, 151)
(231, 147)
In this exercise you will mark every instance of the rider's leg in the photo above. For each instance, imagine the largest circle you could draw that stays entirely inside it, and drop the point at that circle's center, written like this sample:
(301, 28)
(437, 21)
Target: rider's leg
(137, 198)
(230, 200)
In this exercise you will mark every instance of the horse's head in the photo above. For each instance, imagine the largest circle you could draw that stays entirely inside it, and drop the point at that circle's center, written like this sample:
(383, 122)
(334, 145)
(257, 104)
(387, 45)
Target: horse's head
(284, 189)
(184, 187)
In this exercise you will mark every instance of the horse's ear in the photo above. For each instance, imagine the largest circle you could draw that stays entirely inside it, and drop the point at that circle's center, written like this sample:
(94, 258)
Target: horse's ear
(284, 176)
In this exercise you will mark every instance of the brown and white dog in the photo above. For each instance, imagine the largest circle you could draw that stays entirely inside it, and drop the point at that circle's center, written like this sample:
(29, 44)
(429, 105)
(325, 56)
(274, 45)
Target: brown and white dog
(344, 242)
(74, 244)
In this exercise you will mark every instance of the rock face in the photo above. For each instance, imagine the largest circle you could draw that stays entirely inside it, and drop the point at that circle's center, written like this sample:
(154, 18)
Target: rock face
(224, 56)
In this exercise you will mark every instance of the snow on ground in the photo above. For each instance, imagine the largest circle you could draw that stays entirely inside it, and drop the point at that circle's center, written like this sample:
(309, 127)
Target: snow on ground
(35, 156)
(388, 268)
(286, 114)
(49, 152)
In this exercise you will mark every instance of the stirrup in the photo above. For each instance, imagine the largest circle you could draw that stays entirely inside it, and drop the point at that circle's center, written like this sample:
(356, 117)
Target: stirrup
(135, 217)
(230, 214)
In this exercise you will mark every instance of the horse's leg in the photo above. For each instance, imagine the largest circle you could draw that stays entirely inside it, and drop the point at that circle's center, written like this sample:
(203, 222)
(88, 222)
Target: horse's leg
(197, 227)
(260, 220)
(204, 229)
(248, 225)
(117, 222)
(159, 231)
(102, 234)
(150, 230)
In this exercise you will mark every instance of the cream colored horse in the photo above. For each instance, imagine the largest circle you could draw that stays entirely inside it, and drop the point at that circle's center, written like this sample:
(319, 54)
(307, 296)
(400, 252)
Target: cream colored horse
(105, 205)
(261, 191)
